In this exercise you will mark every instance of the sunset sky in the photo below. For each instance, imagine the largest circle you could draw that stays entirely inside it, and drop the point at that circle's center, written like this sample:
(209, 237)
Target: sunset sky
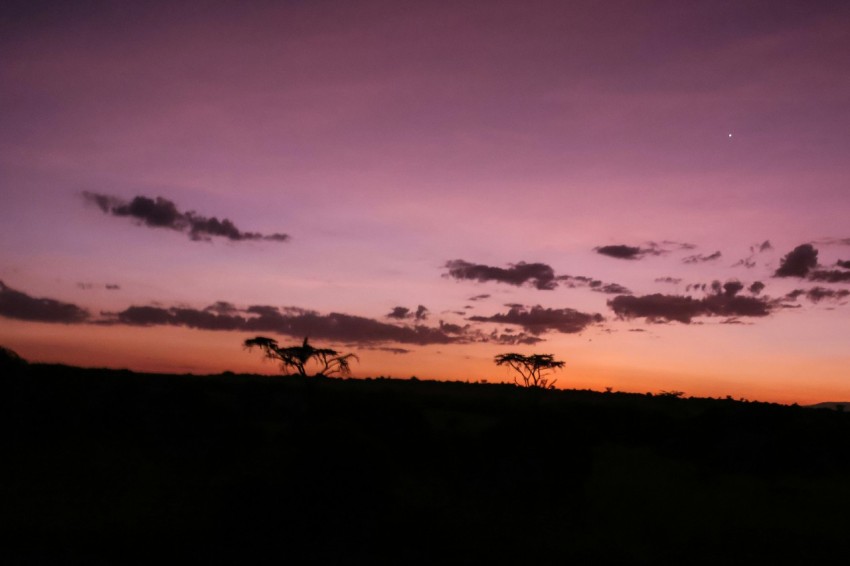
(429, 184)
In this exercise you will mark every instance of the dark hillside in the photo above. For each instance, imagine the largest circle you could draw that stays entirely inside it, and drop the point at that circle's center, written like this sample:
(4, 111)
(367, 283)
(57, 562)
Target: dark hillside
(113, 467)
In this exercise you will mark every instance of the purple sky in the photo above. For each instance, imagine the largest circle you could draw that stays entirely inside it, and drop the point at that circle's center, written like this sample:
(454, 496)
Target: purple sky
(424, 154)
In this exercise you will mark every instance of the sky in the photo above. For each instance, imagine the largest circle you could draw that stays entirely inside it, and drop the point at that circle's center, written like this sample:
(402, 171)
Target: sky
(654, 192)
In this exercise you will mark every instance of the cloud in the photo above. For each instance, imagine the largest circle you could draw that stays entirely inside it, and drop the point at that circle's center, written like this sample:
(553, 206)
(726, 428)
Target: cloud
(612, 289)
(622, 251)
(756, 288)
(163, 213)
(291, 321)
(575, 281)
(397, 351)
(510, 339)
(750, 262)
(15, 304)
(732, 288)
(701, 258)
(798, 262)
(818, 294)
(673, 280)
(90, 286)
(402, 313)
(399, 313)
(539, 275)
(538, 320)
(725, 302)
(802, 261)
(830, 276)
(747, 262)
(834, 241)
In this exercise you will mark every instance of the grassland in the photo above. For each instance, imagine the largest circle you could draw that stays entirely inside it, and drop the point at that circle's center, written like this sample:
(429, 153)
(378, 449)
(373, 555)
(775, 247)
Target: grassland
(114, 467)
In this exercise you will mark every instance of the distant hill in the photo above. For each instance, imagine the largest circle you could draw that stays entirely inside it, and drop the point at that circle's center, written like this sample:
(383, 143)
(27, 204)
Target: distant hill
(834, 405)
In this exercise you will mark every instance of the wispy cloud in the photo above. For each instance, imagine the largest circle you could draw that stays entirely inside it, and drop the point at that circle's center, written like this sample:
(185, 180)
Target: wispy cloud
(15, 304)
(702, 258)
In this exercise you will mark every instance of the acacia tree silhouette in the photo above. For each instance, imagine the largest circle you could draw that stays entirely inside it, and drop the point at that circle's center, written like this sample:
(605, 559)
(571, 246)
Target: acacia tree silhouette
(532, 368)
(297, 357)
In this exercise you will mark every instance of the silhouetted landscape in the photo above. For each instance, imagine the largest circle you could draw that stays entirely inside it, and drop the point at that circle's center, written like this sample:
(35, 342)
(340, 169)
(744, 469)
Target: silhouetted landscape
(115, 467)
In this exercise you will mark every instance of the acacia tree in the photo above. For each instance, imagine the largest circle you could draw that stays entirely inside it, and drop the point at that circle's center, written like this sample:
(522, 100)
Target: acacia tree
(297, 357)
(533, 369)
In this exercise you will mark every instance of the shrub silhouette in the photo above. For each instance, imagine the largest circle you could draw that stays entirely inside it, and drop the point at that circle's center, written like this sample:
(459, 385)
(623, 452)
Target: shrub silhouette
(297, 357)
(532, 368)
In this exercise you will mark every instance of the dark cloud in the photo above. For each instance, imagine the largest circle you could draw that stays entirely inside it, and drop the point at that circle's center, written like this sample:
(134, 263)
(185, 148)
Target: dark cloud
(830, 276)
(612, 289)
(724, 301)
(756, 288)
(399, 313)
(732, 288)
(222, 307)
(455, 329)
(573, 281)
(112, 287)
(701, 258)
(402, 313)
(538, 320)
(844, 264)
(539, 275)
(622, 251)
(673, 280)
(765, 246)
(510, 339)
(397, 351)
(818, 294)
(15, 304)
(576, 281)
(794, 295)
(798, 262)
(289, 321)
(163, 213)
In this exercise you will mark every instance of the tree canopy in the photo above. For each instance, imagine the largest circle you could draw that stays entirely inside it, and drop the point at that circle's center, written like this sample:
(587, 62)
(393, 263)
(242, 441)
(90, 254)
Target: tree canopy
(296, 358)
(532, 369)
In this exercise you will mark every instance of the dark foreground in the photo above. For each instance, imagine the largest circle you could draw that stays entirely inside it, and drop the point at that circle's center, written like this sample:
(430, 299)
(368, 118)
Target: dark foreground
(111, 467)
